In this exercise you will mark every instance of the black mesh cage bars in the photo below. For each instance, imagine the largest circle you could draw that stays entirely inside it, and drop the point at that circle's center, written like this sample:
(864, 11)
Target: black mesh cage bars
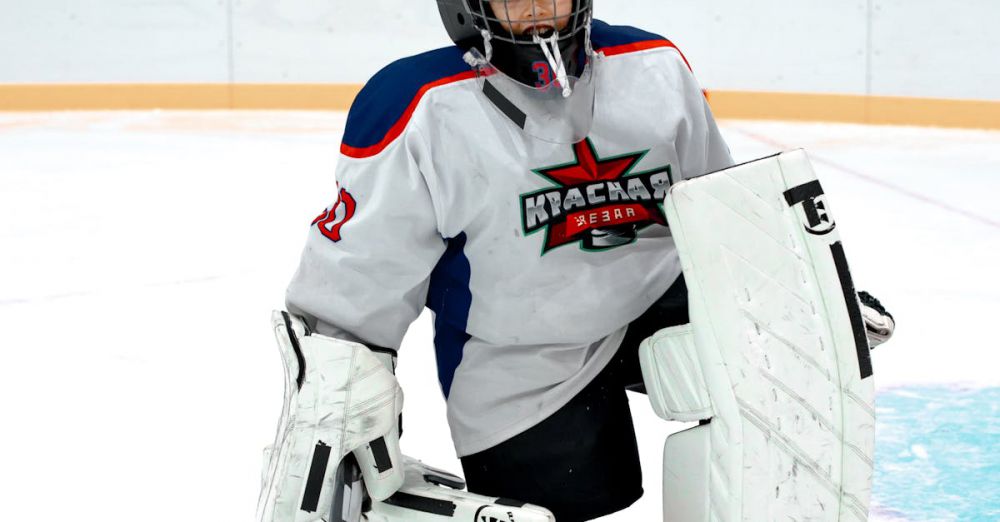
(465, 20)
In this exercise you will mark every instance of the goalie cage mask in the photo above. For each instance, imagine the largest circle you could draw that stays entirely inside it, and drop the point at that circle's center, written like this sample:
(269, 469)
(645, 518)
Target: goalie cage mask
(477, 24)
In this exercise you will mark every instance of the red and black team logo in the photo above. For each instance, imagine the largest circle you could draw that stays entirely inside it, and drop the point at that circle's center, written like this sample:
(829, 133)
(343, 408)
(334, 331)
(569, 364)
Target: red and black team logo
(598, 202)
(333, 219)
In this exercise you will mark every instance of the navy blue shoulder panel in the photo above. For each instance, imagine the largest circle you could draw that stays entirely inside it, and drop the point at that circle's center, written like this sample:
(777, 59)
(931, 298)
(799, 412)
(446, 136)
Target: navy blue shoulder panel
(604, 35)
(382, 104)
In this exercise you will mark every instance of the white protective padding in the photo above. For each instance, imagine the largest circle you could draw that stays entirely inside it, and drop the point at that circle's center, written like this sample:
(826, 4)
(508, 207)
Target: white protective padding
(780, 347)
(675, 385)
(431, 495)
(339, 398)
(686, 467)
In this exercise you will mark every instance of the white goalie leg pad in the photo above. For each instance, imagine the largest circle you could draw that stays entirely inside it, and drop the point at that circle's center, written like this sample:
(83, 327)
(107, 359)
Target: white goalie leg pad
(339, 398)
(432, 495)
(780, 357)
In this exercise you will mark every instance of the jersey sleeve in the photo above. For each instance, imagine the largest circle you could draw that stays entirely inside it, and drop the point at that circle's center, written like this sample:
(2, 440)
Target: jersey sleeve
(699, 143)
(364, 272)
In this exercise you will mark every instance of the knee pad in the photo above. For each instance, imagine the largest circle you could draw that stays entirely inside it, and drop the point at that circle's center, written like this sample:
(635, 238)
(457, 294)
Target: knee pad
(775, 362)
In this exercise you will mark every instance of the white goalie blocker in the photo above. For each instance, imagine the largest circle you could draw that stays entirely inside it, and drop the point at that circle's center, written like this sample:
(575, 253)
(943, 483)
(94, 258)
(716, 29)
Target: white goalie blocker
(336, 456)
(775, 362)
(340, 399)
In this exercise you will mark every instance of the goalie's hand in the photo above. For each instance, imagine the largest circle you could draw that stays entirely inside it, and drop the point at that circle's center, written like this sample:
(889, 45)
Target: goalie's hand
(340, 398)
(879, 323)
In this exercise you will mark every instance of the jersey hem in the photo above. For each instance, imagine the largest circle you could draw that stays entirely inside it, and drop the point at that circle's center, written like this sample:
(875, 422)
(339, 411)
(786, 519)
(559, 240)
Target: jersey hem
(603, 356)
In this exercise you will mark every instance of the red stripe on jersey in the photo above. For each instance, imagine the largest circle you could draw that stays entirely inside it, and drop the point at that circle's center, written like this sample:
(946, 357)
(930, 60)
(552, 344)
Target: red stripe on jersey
(643, 46)
(397, 128)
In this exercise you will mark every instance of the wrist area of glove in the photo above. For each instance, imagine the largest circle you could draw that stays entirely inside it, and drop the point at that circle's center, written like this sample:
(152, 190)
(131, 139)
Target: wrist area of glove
(317, 326)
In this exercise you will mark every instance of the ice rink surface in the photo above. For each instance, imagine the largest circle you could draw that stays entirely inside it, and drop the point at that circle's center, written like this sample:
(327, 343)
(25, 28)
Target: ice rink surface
(142, 253)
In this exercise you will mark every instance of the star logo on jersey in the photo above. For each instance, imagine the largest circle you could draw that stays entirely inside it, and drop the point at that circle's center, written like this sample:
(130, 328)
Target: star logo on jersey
(596, 202)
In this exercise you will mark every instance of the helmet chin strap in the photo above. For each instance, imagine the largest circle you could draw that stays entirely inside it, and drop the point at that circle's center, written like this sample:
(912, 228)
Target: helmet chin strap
(487, 46)
(476, 60)
(554, 56)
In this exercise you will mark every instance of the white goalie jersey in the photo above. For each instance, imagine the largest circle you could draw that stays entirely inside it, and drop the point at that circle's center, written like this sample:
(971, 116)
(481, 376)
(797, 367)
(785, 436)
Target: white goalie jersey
(533, 256)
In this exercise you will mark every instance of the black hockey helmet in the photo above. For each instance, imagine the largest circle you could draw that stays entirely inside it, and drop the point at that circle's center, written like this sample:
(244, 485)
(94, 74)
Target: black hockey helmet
(479, 24)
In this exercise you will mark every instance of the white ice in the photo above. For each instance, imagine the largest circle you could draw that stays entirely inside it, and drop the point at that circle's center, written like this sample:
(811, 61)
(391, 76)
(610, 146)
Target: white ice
(142, 253)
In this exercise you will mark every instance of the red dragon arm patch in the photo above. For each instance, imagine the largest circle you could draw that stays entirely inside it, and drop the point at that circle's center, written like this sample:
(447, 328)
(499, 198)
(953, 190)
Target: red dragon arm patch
(334, 218)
